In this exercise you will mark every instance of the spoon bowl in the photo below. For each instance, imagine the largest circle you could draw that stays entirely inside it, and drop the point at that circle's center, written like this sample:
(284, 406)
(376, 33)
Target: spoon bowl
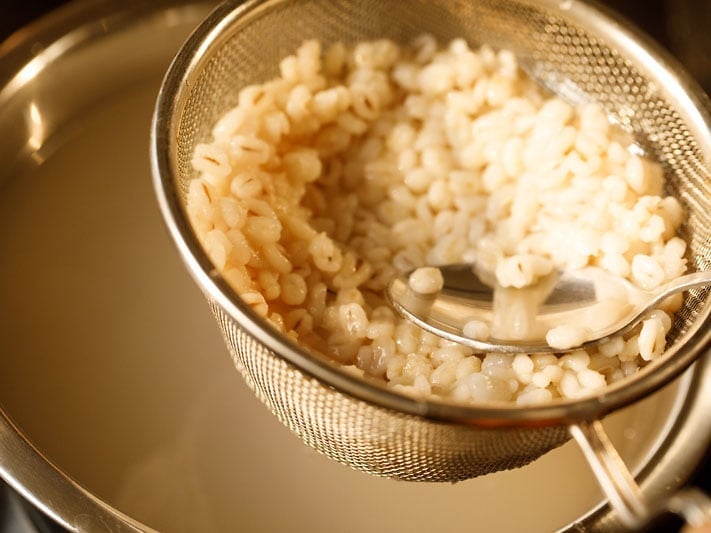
(565, 310)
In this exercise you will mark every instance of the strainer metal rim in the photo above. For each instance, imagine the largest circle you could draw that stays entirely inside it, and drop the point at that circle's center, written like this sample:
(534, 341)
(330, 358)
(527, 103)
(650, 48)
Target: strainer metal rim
(171, 100)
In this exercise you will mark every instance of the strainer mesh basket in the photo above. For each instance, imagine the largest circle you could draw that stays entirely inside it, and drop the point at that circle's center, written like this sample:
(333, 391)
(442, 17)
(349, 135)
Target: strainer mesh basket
(567, 46)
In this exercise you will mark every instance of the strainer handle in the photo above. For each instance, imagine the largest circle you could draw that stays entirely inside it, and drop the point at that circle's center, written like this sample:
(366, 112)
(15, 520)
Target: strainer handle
(621, 489)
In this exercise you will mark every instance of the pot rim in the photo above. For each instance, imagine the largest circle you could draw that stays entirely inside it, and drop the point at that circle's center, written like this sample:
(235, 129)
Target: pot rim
(48, 487)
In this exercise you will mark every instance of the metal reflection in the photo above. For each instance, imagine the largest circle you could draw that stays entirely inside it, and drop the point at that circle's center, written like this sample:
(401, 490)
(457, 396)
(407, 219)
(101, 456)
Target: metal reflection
(37, 132)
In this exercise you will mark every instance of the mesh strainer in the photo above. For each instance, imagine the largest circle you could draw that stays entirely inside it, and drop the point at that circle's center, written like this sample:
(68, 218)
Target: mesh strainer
(569, 46)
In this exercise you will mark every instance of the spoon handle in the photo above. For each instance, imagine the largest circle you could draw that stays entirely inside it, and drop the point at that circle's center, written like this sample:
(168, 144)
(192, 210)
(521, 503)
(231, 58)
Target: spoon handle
(683, 283)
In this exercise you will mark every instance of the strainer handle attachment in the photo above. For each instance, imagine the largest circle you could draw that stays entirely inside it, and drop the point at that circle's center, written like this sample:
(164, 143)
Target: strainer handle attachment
(621, 489)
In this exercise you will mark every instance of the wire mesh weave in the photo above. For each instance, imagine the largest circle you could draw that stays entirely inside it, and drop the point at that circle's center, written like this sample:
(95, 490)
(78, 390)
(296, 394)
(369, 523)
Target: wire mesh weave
(376, 440)
(562, 46)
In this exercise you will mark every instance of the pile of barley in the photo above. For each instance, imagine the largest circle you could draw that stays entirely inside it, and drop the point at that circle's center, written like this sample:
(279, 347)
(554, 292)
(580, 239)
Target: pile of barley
(357, 163)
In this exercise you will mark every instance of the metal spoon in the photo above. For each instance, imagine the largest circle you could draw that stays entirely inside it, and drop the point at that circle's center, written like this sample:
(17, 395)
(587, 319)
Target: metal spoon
(590, 304)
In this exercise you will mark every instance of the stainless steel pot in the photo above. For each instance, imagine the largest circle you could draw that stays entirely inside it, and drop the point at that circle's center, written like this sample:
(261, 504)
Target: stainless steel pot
(117, 408)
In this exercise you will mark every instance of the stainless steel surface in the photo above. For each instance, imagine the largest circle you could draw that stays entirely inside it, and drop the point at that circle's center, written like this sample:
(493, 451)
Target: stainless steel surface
(569, 46)
(44, 86)
(115, 376)
(618, 484)
(518, 319)
(31, 475)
